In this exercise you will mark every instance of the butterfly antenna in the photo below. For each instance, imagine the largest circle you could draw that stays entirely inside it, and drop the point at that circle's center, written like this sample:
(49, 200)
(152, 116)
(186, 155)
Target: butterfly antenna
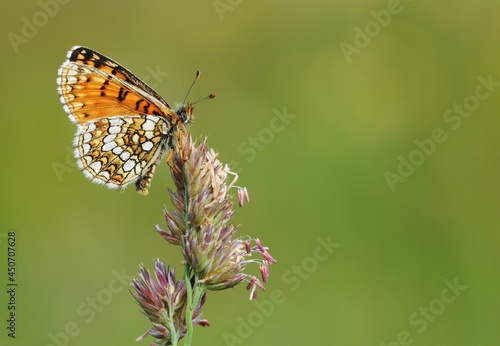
(198, 73)
(211, 96)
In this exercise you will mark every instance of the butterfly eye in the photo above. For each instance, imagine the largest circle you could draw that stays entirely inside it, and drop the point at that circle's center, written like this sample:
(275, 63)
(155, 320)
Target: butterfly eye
(185, 113)
(184, 117)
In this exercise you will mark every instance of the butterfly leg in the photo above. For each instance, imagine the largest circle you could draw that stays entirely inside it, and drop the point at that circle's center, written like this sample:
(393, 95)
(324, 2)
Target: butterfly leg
(169, 157)
(143, 183)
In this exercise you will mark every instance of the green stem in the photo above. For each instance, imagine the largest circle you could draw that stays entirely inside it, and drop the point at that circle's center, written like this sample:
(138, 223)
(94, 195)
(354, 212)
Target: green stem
(192, 302)
(171, 327)
(189, 306)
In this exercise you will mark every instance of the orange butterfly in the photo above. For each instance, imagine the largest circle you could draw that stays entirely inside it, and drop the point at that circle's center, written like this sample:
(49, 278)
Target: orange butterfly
(124, 126)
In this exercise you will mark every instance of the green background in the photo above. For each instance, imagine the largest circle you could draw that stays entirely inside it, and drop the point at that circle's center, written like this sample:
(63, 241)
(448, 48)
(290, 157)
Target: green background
(354, 116)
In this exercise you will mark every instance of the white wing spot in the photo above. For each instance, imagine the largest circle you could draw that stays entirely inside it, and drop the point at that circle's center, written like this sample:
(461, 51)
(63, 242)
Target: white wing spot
(137, 169)
(86, 137)
(148, 125)
(116, 122)
(115, 129)
(125, 155)
(87, 159)
(147, 145)
(109, 146)
(117, 150)
(129, 165)
(96, 166)
(85, 148)
(105, 175)
(109, 138)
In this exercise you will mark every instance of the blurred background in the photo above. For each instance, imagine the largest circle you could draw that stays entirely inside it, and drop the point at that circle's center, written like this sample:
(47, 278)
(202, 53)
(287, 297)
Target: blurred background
(367, 136)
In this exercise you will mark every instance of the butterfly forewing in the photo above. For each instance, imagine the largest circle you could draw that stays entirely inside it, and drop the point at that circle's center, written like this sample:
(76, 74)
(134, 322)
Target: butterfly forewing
(93, 86)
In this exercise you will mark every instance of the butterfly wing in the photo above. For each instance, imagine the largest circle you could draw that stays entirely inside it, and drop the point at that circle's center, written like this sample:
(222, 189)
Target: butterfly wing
(93, 86)
(124, 126)
(117, 151)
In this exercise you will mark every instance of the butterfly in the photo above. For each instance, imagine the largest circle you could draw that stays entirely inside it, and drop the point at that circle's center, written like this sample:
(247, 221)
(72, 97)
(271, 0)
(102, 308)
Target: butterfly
(124, 127)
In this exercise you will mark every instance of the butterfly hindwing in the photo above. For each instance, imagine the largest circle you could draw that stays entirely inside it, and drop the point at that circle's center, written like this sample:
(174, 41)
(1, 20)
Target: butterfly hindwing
(121, 150)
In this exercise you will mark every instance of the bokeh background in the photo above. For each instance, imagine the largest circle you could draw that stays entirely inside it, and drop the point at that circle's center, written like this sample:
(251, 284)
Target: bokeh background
(320, 108)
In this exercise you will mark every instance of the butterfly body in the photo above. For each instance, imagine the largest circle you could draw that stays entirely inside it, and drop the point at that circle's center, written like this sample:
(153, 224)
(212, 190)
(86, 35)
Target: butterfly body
(124, 127)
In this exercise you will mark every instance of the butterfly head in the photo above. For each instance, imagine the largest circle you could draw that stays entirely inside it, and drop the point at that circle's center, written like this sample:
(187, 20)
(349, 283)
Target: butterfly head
(185, 110)
(185, 113)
